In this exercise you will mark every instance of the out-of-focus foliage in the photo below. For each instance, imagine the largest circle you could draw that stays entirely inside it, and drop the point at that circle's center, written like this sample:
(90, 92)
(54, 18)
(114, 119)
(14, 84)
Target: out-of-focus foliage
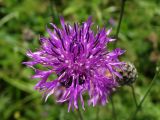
(23, 21)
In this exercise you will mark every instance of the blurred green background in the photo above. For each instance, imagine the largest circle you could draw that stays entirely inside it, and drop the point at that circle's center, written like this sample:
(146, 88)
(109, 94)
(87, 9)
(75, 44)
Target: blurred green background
(23, 21)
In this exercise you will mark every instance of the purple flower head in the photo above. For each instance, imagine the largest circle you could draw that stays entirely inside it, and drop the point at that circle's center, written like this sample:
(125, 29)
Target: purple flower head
(80, 59)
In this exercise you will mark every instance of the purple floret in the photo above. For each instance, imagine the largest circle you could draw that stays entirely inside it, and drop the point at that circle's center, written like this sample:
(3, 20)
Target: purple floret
(80, 59)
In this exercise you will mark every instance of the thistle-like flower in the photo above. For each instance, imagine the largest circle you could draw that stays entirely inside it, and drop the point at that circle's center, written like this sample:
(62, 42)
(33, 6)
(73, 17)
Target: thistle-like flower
(82, 62)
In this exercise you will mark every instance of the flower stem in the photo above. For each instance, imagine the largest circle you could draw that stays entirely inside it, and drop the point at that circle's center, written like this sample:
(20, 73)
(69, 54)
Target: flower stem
(134, 95)
(51, 7)
(80, 114)
(144, 97)
(97, 113)
(120, 17)
(113, 108)
(53, 11)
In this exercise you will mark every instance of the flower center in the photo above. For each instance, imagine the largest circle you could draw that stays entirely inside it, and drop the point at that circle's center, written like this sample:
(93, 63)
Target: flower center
(67, 81)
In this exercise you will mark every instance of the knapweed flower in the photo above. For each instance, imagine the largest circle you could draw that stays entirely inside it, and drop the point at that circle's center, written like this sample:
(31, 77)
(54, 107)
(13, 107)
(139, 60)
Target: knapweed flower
(82, 62)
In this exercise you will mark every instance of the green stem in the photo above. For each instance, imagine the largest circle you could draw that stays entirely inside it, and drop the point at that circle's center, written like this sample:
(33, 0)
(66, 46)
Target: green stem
(144, 97)
(113, 109)
(51, 7)
(80, 114)
(97, 113)
(134, 95)
(120, 17)
(8, 17)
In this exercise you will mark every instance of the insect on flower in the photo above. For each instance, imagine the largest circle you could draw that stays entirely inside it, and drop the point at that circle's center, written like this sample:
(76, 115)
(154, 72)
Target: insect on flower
(80, 58)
